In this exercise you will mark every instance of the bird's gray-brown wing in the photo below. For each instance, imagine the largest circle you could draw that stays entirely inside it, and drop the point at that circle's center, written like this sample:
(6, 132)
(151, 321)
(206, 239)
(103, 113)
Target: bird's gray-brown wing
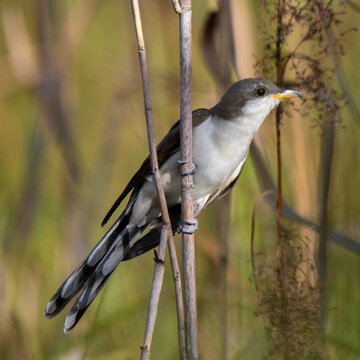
(152, 238)
(168, 146)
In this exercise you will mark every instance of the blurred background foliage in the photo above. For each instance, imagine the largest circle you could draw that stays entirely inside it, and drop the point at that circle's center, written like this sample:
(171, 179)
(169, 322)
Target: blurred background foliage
(72, 132)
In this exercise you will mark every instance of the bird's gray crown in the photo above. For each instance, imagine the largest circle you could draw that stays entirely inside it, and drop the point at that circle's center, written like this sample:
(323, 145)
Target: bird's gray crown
(240, 93)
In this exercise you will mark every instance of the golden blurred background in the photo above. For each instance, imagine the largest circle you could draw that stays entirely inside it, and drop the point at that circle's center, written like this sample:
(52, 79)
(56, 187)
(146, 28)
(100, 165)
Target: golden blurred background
(72, 132)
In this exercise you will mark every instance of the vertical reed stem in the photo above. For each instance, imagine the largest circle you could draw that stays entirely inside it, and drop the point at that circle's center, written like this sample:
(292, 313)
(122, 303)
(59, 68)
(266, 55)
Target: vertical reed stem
(281, 268)
(187, 180)
(279, 82)
(166, 234)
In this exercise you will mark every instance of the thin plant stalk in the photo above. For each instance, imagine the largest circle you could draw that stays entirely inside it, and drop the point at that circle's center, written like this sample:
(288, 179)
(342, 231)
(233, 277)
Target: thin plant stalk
(279, 81)
(155, 294)
(281, 268)
(187, 185)
(166, 234)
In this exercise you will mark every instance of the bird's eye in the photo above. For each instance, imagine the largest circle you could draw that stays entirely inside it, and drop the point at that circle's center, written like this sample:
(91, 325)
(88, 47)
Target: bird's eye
(259, 92)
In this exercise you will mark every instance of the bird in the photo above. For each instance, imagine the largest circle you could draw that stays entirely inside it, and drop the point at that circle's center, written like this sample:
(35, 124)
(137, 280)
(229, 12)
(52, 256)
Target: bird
(221, 139)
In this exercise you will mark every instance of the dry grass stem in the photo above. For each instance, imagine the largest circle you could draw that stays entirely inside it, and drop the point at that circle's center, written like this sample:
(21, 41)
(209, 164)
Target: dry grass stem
(167, 231)
(187, 181)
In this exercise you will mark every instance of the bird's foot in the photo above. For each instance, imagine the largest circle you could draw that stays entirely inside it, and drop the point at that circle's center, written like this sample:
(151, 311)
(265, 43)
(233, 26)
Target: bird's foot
(192, 171)
(186, 223)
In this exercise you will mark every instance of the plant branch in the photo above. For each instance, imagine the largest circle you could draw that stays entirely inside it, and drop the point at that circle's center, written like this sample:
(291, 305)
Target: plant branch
(279, 82)
(166, 231)
(281, 267)
(176, 6)
(187, 211)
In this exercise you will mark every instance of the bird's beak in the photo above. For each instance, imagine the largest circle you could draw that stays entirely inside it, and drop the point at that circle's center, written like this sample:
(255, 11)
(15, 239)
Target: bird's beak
(287, 93)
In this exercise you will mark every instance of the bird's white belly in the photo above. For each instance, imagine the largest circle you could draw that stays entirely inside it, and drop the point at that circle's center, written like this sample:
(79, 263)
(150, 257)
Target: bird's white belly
(212, 170)
(217, 153)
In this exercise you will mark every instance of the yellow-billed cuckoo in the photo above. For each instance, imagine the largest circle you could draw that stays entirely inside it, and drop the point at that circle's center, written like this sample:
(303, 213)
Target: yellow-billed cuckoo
(221, 140)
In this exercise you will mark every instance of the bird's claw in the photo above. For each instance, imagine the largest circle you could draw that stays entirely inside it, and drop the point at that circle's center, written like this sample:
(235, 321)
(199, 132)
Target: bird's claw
(192, 171)
(193, 223)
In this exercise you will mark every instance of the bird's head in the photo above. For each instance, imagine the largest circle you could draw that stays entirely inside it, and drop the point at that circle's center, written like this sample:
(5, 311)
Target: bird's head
(253, 97)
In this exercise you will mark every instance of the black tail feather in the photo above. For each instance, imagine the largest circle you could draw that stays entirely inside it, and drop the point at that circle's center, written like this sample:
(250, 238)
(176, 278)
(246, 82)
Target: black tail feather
(148, 242)
(78, 309)
(152, 239)
(119, 243)
(104, 269)
(80, 276)
(106, 242)
(68, 290)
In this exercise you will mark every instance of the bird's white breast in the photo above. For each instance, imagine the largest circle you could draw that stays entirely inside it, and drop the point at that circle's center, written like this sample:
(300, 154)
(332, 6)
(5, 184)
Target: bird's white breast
(219, 146)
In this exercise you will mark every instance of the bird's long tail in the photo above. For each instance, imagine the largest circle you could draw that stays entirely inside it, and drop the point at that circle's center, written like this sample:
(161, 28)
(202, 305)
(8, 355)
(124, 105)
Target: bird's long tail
(91, 275)
(119, 244)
